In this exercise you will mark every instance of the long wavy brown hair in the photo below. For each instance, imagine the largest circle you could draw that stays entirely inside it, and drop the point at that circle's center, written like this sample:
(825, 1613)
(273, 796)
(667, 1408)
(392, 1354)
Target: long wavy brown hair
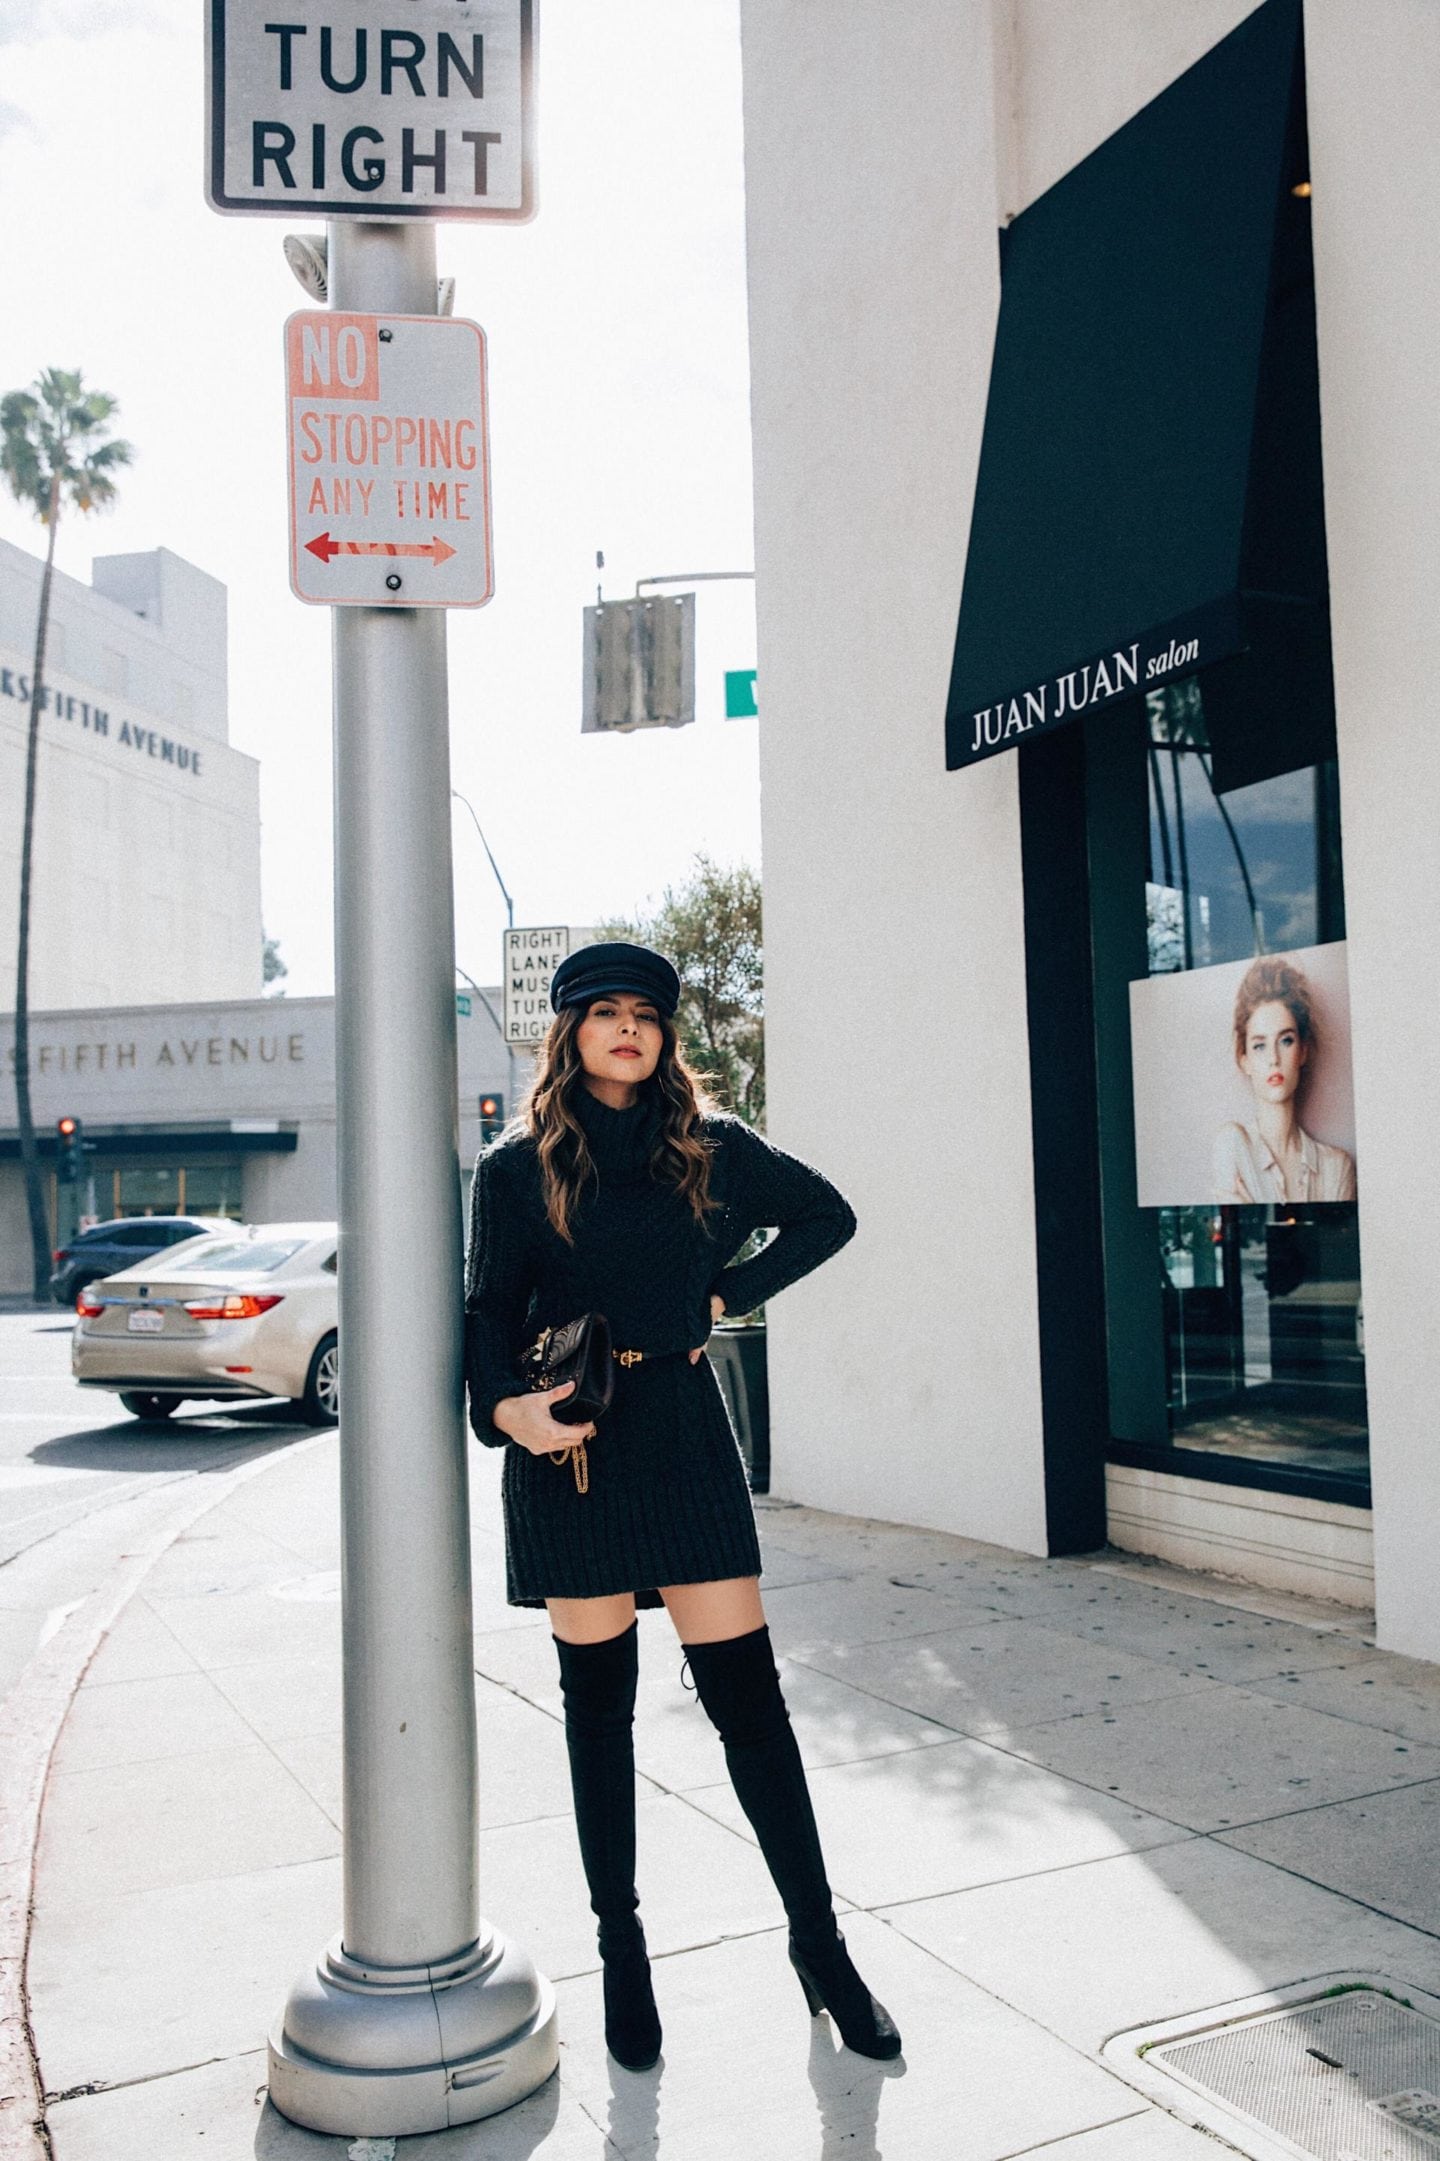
(680, 1154)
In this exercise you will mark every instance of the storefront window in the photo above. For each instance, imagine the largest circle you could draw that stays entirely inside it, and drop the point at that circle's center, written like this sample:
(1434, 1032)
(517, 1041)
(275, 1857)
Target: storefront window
(1245, 1346)
(203, 1189)
(148, 1193)
(213, 1189)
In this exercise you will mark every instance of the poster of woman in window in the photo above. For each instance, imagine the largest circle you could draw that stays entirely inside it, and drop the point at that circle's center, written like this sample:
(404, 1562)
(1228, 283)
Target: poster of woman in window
(1243, 1091)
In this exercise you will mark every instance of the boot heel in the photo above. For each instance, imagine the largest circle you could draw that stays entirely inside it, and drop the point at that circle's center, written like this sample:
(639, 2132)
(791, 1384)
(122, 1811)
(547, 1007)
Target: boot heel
(865, 2025)
(812, 1999)
(632, 2023)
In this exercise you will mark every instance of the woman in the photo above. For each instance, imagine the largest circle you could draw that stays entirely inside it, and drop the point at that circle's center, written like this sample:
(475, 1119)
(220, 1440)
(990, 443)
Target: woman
(621, 1190)
(1272, 1157)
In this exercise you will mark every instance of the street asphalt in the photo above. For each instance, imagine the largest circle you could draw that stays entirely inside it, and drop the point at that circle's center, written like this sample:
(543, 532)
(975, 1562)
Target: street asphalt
(1059, 1800)
(69, 1457)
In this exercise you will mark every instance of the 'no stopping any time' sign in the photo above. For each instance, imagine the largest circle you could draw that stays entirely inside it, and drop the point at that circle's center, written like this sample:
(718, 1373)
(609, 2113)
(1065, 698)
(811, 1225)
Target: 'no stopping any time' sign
(389, 461)
(381, 109)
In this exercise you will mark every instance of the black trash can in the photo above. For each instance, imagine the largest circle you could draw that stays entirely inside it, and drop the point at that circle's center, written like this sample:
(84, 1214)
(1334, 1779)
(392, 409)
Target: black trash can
(737, 1353)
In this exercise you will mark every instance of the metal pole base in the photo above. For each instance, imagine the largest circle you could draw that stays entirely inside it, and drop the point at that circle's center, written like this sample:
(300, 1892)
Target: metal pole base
(388, 2051)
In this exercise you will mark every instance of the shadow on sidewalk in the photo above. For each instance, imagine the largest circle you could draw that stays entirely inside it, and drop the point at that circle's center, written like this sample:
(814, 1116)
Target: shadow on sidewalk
(1057, 1799)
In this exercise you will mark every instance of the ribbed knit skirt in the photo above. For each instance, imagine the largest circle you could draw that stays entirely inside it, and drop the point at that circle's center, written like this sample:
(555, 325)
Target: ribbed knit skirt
(668, 1500)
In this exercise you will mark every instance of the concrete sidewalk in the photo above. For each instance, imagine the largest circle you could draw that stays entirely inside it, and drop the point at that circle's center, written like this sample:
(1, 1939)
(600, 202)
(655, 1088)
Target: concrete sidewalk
(1058, 1800)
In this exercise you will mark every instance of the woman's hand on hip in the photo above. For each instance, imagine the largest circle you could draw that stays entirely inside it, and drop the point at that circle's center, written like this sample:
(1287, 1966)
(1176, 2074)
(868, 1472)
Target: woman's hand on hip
(528, 1422)
(717, 1307)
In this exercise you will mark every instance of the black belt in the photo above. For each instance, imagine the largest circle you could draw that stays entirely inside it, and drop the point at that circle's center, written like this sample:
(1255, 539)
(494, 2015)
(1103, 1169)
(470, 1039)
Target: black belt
(635, 1358)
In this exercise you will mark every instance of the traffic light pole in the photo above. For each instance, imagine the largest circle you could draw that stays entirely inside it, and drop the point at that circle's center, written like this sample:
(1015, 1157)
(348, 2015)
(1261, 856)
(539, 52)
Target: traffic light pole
(71, 1150)
(419, 2015)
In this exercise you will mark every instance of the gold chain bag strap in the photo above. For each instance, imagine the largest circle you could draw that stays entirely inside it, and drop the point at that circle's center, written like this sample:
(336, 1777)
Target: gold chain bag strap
(580, 1351)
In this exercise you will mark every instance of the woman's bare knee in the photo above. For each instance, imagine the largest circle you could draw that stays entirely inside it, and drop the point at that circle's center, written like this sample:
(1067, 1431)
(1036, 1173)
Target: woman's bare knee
(710, 1612)
(591, 1620)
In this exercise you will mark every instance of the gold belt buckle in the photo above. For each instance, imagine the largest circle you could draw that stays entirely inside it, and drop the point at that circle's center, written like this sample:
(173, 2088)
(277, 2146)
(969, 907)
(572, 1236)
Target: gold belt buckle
(629, 1358)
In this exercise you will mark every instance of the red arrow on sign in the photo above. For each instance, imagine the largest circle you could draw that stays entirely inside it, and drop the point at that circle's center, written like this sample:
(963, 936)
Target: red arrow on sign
(323, 546)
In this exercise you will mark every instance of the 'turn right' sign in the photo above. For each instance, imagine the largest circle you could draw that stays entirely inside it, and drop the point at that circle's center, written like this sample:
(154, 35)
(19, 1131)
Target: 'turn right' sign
(388, 109)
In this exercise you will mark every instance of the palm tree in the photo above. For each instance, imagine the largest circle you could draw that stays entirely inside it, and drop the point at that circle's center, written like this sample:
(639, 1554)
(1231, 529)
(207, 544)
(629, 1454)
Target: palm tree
(54, 452)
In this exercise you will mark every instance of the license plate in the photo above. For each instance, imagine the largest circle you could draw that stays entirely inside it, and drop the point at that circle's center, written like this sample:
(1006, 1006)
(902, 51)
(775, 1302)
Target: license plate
(145, 1321)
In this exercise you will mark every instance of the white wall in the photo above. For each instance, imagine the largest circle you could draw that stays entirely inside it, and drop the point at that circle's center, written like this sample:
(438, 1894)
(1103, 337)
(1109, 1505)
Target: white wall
(298, 1188)
(883, 146)
(1374, 92)
(179, 664)
(904, 1374)
(146, 881)
(1070, 72)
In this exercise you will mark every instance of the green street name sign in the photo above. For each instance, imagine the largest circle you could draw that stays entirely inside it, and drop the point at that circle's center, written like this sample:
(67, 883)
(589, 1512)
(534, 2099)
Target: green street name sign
(740, 693)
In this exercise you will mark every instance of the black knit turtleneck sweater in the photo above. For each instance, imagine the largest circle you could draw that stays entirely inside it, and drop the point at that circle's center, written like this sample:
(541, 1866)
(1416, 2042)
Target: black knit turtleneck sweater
(668, 1500)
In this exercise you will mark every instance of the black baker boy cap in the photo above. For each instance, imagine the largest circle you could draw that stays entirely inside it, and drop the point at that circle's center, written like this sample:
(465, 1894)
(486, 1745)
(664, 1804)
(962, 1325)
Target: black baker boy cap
(596, 969)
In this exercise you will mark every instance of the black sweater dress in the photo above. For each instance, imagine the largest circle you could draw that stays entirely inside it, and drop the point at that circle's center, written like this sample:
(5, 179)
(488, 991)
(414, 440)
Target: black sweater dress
(668, 1500)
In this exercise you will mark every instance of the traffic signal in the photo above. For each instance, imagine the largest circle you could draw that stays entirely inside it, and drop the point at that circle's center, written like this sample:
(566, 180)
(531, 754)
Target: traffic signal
(492, 1117)
(639, 664)
(71, 1143)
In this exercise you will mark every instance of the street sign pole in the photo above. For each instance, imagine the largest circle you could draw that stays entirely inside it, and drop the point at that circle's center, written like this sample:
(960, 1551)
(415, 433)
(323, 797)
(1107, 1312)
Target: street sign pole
(418, 2015)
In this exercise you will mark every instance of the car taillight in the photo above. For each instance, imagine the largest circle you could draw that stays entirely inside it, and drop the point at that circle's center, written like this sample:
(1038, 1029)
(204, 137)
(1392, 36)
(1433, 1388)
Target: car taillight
(61, 1253)
(87, 1305)
(232, 1306)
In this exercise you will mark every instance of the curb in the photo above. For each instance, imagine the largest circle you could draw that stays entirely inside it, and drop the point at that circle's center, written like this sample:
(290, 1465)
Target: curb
(31, 1721)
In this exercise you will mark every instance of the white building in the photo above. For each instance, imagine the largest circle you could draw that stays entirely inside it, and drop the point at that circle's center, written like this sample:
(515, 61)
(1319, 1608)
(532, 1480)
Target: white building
(146, 878)
(1202, 351)
(213, 1109)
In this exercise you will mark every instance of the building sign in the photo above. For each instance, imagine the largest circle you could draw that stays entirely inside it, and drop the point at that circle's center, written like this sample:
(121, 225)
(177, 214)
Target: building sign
(1125, 671)
(530, 958)
(392, 109)
(389, 461)
(132, 738)
(104, 1055)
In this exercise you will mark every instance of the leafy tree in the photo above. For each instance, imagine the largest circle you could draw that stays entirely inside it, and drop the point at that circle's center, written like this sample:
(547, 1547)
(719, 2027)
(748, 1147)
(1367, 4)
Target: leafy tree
(272, 967)
(710, 926)
(55, 454)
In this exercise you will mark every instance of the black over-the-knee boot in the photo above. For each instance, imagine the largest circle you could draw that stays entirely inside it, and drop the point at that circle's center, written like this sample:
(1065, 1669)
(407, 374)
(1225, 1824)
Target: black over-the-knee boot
(597, 1681)
(738, 1685)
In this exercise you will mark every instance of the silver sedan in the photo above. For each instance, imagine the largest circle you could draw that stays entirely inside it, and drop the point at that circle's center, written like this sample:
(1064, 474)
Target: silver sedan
(246, 1312)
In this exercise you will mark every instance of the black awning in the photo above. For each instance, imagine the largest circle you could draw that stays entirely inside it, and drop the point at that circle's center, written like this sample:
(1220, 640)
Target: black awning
(186, 1144)
(1149, 495)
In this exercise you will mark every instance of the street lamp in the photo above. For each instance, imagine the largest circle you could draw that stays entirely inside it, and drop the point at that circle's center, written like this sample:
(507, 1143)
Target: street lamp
(509, 903)
(510, 921)
(695, 577)
(471, 984)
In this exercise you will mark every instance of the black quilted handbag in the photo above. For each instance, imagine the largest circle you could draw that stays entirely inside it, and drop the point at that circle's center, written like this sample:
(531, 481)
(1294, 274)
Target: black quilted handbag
(580, 1351)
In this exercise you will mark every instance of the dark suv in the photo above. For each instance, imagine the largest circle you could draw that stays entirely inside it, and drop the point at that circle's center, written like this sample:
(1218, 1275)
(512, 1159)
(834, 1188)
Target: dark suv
(112, 1246)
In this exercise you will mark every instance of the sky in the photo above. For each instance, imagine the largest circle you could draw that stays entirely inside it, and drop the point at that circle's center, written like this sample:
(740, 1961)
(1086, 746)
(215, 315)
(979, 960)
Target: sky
(619, 421)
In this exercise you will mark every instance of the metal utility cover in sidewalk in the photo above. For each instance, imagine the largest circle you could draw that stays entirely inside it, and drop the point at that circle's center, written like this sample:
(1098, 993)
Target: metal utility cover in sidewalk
(1341, 2070)
(389, 461)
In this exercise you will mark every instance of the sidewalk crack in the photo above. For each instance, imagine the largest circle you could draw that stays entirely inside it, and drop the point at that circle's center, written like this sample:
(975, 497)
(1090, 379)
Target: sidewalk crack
(145, 2078)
